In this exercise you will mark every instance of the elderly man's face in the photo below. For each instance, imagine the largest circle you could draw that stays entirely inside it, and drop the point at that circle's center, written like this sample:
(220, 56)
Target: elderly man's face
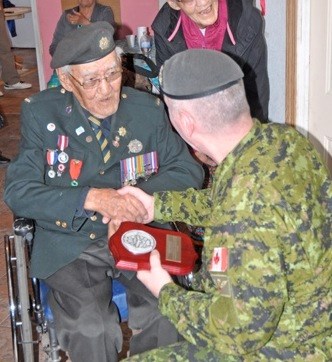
(202, 12)
(96, 85)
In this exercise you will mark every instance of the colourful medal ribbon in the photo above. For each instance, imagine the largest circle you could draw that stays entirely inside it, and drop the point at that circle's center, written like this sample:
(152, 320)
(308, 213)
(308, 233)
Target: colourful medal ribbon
(75, 168)
(51, 157)
(63, 142)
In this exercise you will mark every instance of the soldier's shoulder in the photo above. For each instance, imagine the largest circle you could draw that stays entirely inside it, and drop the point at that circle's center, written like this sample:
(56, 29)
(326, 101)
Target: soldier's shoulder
(140, 98)
(46, 96)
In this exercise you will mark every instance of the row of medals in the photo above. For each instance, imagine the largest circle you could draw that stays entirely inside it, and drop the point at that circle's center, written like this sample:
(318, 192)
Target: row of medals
(53, 157)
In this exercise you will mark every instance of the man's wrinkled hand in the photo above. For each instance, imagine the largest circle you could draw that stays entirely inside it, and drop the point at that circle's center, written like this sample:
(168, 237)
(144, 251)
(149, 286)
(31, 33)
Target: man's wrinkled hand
(146, 199)
(111, 205)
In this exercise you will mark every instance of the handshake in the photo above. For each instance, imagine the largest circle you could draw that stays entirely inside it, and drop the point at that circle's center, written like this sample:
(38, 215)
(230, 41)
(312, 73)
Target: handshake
(129, 204)
(126, 204)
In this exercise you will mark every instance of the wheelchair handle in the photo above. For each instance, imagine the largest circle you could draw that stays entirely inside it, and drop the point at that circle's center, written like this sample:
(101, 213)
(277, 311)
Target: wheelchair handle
(24, 227)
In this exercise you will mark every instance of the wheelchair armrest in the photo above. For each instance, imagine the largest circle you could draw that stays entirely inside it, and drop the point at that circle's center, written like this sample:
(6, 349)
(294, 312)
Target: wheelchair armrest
(24, 227)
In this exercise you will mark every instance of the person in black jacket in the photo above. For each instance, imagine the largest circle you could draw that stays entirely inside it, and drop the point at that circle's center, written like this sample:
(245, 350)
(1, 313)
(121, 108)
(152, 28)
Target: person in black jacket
(233, 26)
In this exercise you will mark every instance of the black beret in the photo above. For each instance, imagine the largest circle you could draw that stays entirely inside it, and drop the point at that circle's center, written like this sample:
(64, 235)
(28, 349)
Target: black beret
(196, 73)
(84, 45)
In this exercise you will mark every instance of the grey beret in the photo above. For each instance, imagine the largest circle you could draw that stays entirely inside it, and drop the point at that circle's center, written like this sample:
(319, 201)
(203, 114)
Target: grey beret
(196, 73)
(84, 45)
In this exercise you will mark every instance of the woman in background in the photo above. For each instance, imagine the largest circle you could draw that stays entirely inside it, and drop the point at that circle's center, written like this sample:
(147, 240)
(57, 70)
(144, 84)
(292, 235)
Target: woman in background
(234, 27)
(87, 12)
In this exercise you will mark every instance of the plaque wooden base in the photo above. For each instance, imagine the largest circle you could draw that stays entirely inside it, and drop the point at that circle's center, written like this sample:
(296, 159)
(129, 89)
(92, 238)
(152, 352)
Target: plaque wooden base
(132, 243)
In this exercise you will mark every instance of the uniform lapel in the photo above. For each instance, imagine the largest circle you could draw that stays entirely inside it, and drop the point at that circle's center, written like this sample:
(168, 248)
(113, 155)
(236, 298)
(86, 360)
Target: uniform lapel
(78, 127)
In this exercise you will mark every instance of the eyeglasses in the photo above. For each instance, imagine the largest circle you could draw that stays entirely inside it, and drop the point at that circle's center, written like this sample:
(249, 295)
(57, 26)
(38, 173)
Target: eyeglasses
(94, 82)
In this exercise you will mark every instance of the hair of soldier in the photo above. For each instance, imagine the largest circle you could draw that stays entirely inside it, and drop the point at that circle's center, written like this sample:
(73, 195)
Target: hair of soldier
(216, 110)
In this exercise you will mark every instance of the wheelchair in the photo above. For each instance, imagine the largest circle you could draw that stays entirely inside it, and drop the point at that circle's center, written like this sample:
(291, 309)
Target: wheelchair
(31, 318)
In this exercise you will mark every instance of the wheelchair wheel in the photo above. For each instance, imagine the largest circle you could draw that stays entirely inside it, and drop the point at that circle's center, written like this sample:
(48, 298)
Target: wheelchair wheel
(19, 300)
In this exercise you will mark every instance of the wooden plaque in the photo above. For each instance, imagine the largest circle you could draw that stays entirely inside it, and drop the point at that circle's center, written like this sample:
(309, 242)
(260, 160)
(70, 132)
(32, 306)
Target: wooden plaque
(132, 243)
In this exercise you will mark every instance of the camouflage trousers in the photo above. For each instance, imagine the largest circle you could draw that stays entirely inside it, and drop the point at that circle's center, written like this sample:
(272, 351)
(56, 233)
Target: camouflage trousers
(187, 352)
(182, 352)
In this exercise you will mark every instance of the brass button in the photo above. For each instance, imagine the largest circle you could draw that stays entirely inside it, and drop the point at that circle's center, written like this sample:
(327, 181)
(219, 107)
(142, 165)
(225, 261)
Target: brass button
(101, 172)
(124, 96)
(58, 223)
(92, 236)
(64, 224)
(93, 218)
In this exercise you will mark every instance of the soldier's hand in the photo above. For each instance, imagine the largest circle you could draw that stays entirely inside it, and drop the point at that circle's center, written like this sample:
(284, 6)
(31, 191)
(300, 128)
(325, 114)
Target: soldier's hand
(155, 278)
(112, 205)
(113, 226)
(146, 199)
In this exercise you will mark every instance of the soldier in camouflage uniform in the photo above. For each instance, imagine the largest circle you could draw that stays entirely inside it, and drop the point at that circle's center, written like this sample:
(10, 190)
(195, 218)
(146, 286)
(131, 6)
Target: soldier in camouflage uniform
(264, 290)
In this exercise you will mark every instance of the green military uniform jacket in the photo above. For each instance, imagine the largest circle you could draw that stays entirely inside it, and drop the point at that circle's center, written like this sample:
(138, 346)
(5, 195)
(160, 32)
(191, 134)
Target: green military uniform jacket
(270, 212)
(139, 126)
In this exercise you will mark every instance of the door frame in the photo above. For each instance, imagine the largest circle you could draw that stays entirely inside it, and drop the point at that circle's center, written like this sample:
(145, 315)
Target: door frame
(38, 42)
(297, 64)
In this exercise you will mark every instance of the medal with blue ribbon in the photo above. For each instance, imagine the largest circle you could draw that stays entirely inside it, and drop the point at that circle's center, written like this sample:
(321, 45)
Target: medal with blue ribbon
(51, 157)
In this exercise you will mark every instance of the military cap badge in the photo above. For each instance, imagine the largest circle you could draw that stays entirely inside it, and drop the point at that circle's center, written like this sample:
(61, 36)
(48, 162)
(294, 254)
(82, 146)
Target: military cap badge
(104, 43)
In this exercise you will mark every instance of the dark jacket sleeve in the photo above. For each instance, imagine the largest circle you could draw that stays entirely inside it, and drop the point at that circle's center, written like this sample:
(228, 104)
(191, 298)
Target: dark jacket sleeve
(163, 26)
(256, 80)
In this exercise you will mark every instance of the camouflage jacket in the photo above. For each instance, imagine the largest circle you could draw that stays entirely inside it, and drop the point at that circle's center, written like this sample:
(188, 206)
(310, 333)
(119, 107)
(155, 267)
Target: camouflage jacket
(269, 212)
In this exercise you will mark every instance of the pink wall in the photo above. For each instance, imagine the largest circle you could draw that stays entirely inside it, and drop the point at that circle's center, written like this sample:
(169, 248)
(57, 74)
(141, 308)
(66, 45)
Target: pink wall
(48, 14)
(134, 13)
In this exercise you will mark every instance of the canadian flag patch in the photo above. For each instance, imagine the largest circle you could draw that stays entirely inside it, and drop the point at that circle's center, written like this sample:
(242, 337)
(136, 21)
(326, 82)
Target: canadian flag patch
(219, 261)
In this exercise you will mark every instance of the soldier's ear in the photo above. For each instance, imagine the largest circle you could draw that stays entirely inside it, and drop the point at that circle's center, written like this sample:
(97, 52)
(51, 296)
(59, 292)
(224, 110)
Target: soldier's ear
(186, 124)
(64, 80)
(174, 4)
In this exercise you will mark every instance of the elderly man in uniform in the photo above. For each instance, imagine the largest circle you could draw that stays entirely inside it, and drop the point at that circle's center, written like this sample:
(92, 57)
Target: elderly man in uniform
(264, 292)
(80, 143)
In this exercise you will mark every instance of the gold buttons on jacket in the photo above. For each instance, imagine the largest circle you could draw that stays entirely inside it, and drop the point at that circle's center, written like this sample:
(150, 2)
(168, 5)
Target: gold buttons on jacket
(101, 172)
(92, 236)
(93, 218)
(63, 224)
(124, 95)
